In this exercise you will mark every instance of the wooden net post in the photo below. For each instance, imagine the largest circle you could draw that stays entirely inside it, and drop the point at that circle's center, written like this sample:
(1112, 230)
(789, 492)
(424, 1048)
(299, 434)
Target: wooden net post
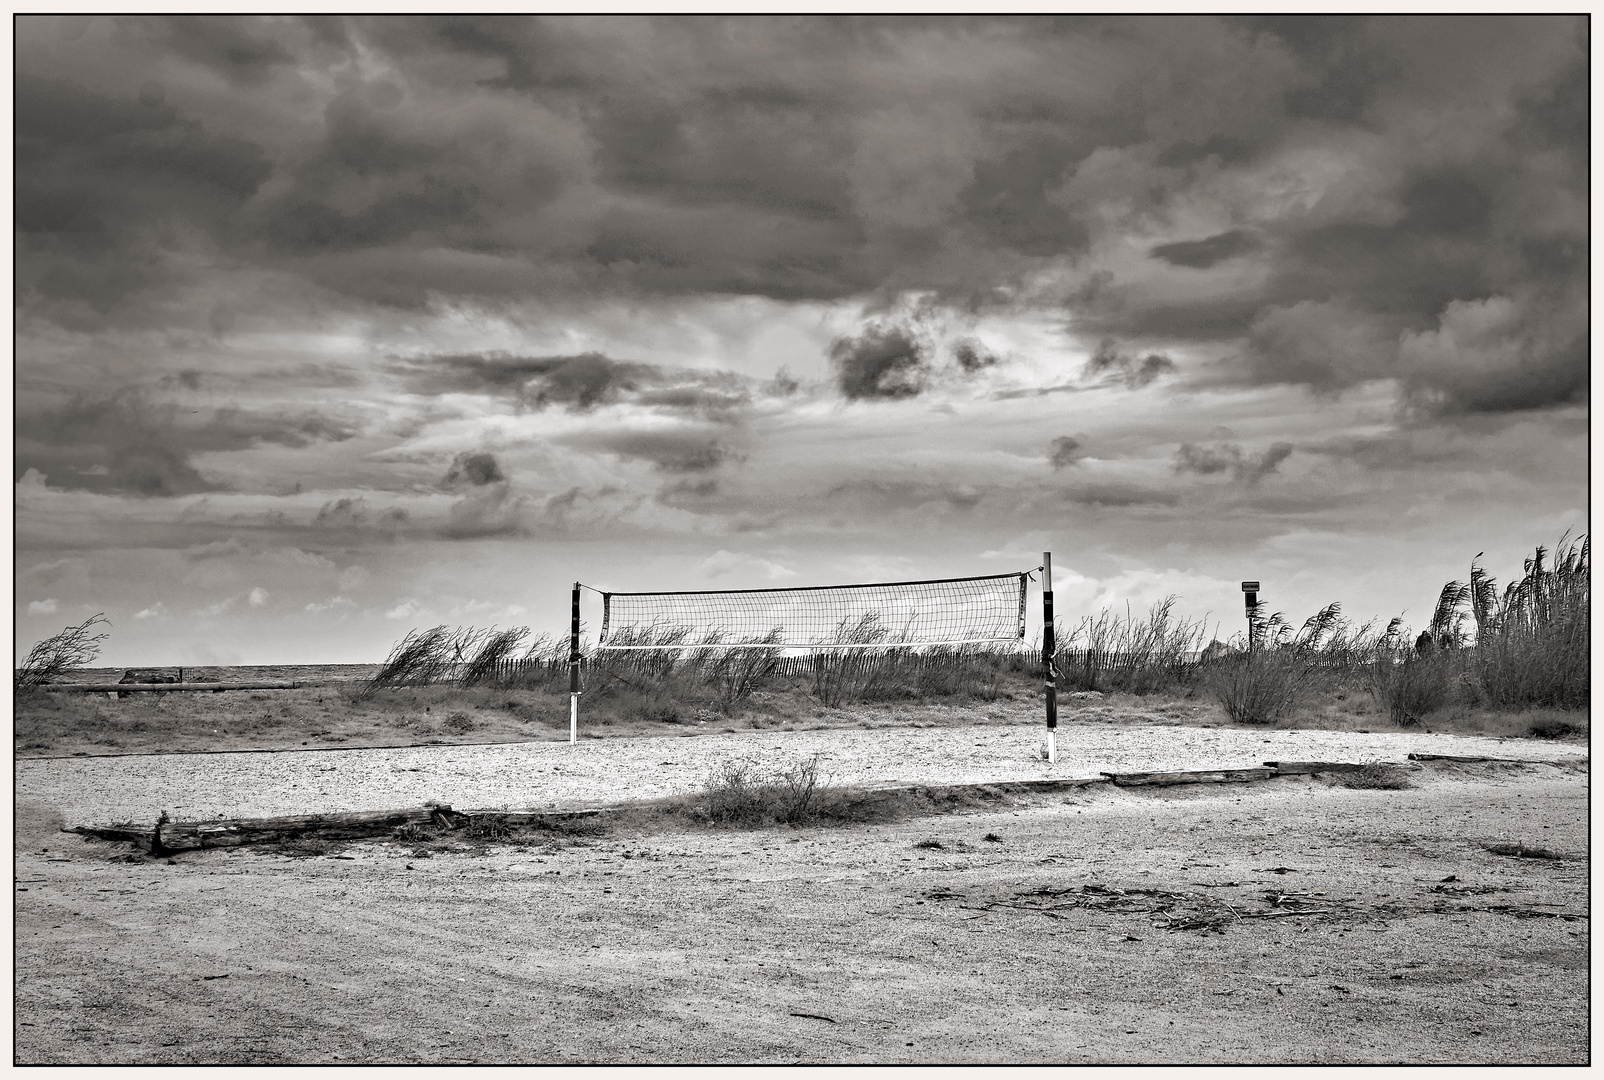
(1048, 647)
(573, 670)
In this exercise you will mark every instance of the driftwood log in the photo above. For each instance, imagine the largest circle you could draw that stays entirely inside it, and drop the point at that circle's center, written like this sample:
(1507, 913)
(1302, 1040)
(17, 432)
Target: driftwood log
(1310, 768)
(170, 837)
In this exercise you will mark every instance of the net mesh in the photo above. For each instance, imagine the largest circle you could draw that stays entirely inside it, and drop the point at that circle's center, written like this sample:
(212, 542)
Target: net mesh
(909, 613)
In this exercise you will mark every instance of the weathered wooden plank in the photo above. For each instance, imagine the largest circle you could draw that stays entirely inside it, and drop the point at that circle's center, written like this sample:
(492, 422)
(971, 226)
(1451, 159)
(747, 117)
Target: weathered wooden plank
(162, 688)
(1296, 768)
(1211, 776)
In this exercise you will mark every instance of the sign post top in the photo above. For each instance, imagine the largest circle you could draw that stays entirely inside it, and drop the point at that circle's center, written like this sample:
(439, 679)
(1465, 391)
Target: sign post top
(1250, 586)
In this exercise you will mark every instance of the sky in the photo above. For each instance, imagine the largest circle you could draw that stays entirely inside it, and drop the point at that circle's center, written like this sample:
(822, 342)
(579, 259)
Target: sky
(331, 328)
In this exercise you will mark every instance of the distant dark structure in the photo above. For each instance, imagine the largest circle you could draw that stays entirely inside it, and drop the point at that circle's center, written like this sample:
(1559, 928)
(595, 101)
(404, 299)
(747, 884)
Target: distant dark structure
(1424, 644)
(134, 675)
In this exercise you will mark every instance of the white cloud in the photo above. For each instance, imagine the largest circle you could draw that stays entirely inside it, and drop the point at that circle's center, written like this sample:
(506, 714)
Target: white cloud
(723, 562)
(404, 610)
(151, 612)
(42, 607)
(258, 596)
(219, 607)
(338, 601)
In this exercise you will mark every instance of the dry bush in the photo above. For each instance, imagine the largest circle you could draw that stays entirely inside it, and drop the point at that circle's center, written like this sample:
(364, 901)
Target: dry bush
(1135, 655)
(842, 675)
(742, 795)
(969, 671)
(1409, 685)
(57, 656)
(734, 673)
(1282, 669)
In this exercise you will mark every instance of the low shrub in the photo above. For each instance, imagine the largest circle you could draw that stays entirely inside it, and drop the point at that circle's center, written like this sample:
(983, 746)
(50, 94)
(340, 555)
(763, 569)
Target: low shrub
(739, 794)
(1555, 729)
(1410, 686)
(1281, 669)
(1258, 687)
(459, 723)
(734, 673)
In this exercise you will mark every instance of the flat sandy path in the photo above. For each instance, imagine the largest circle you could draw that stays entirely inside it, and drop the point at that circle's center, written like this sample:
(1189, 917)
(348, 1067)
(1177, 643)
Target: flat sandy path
(599, 772)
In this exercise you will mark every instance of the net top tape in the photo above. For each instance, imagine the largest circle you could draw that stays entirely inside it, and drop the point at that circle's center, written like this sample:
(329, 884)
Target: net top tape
(819, 588)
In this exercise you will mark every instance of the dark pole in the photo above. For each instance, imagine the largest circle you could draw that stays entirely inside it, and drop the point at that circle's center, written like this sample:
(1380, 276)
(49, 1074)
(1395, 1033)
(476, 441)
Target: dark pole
(1049, 672)
(573, 670)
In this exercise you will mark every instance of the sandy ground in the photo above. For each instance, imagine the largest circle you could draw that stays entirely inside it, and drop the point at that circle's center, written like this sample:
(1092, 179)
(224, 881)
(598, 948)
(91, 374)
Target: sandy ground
(596, 772)
(1404, 940)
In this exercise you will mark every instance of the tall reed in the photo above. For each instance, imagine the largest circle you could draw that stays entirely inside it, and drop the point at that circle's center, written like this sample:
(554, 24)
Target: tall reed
(1533, 641)
(1108, 651)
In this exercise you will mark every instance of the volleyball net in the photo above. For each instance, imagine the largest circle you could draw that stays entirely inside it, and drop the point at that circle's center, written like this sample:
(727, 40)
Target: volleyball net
(887, 615)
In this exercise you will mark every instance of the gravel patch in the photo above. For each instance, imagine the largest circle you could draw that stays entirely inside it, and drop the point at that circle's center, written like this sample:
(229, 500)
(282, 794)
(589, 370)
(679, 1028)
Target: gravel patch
(601, 772)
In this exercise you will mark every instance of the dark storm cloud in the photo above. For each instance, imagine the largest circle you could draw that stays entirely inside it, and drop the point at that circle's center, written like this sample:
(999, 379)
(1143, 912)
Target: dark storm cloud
(243, 50)
(582, 383)
(130, 443)
(695, 496)
(878, 496)
(491, 510)
(348, 515)
(104, 185)
(881, 362)
(1245, 469)
(1117, 495)
(972, 356)
(472, 470)
(1066, 451)
(1202, 254)
(831, 158)
(688, 450)
(1109, 364)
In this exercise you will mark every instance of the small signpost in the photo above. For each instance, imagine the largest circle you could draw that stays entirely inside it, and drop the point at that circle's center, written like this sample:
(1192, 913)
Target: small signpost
(1250, 599)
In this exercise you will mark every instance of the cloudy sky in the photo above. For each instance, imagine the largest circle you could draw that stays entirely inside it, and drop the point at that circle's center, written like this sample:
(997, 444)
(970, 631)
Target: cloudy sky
(331, 328)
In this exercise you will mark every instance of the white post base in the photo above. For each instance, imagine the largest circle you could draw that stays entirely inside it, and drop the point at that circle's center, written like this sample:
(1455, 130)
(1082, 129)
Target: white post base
(573, 718)
(1052, 747)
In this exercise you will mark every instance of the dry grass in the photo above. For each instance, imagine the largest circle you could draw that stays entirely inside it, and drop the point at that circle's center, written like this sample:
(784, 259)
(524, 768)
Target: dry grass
(1110, 652)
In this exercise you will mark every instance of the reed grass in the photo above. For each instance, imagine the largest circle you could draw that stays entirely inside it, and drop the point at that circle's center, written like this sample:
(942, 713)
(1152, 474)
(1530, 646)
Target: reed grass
(1533, 642)
(1137, 655)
